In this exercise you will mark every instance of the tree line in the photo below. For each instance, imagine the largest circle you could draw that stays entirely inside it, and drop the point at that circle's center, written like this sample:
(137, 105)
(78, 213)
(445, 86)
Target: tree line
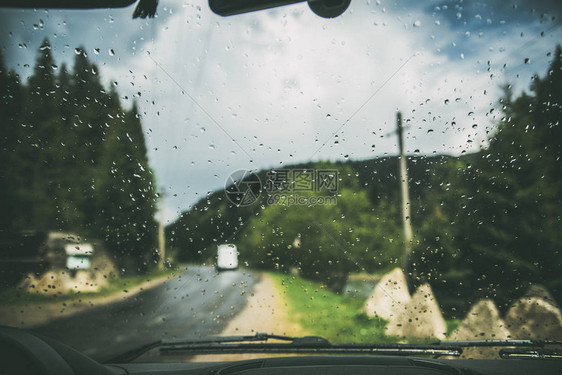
(72, 158)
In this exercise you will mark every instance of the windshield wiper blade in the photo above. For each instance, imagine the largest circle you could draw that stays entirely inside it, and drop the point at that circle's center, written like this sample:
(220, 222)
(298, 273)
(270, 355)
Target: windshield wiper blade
(173, 343)
(316, 344)
(388, 349)
(247, 338)
(540, 353)
(516, 349)
(498, 343)
(306, 344)
(305, 340)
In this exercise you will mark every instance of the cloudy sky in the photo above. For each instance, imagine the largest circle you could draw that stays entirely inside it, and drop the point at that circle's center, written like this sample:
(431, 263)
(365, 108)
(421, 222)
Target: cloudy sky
(282, 86)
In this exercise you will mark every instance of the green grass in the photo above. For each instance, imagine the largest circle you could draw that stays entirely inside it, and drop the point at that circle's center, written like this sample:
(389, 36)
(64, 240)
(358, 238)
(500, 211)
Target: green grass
(14, 295)
(324, 313)
(452, 324)
(338, 318)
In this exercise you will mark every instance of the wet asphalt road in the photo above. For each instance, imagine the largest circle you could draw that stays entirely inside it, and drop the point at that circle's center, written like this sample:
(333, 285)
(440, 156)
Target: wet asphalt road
(200, 302)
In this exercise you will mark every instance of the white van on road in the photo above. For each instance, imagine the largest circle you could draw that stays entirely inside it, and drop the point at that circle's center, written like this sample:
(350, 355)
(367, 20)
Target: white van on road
(227, 257)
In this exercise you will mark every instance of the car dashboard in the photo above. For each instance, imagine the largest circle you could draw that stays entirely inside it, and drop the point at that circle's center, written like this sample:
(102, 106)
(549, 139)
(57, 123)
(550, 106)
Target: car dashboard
(24, 352)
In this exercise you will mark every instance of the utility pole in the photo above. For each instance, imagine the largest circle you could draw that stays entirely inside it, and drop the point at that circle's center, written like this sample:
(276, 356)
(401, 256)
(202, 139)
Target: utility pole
(406, 218)
(161, 234)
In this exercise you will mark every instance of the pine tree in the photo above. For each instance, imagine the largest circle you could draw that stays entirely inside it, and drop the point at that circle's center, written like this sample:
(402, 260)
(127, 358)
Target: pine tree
(126, 191)
(10, 111)
(39, 121)
(511, 227)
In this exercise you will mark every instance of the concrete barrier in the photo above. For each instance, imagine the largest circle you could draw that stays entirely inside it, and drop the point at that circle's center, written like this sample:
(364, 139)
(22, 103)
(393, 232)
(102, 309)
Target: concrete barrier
(532, 317)
(389, 296)
(420, 317)
(483, 322)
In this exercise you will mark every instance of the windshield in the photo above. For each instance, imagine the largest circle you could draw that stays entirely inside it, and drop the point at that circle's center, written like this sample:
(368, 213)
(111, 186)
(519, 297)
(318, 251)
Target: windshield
(389, 175)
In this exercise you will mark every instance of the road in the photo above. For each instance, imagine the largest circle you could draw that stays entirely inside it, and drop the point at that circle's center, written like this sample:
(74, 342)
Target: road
(200, 302)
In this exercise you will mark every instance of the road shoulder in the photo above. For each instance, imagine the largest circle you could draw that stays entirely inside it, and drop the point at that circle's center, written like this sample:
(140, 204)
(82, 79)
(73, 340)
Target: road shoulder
(28, 315)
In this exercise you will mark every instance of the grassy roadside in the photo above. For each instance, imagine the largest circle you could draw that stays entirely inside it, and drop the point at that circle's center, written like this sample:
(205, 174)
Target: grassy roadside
(335, 317)
(324, 313)
(15, 295)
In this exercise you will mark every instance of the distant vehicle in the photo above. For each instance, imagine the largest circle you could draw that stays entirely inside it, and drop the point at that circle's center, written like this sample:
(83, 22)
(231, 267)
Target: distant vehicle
(227, 257)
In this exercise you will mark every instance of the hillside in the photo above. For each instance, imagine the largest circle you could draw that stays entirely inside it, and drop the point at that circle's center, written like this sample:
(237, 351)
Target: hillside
(215, 220)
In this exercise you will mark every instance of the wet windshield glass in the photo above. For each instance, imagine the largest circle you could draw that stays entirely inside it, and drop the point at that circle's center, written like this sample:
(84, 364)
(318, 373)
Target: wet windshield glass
(389, 175)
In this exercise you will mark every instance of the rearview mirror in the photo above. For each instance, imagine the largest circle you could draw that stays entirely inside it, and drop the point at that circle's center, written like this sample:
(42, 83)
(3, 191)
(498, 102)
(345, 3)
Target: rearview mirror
(323, 8)
(147, 8)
